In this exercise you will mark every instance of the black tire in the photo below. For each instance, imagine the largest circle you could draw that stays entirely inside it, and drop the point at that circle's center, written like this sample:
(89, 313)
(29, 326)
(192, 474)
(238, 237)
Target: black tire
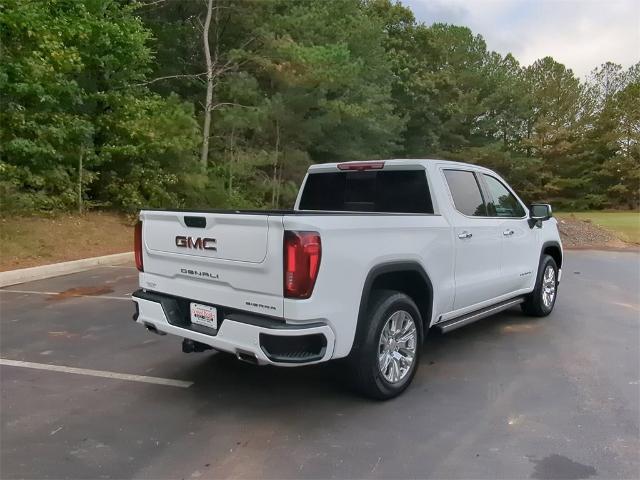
(365, 373)
(534, 304)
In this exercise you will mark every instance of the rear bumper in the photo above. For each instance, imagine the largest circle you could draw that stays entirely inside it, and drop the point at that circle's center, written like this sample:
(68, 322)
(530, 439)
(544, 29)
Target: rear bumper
(261, 339)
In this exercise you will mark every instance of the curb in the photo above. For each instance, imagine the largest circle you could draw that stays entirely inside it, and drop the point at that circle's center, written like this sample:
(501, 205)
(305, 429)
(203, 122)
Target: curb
(13, 277)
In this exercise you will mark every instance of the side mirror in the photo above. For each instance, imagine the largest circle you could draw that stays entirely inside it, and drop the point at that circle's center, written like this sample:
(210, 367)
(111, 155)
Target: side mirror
(538, 213)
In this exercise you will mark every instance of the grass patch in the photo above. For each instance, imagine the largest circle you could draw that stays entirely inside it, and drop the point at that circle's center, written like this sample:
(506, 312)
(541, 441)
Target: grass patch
(626, 224)
(32, 241)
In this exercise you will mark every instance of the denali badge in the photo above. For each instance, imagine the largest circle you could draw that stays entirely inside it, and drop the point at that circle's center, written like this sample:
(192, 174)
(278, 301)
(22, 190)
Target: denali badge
(198, 243)
(198, 273)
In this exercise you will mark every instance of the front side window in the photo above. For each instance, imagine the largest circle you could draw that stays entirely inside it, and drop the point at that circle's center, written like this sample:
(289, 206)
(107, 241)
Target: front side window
(466, 193)
(502, 203)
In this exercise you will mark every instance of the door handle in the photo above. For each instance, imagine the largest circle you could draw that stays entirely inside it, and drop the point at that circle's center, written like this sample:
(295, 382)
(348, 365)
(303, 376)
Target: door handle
(508, 233)
(464, 235)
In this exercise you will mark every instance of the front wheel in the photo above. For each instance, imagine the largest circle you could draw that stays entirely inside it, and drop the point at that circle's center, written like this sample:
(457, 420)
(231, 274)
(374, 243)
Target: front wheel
(541, 301)
(385, 357)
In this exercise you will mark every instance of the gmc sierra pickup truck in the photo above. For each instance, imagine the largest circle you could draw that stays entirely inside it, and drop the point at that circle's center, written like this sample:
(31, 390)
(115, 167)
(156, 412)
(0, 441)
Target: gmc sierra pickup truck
(371, 257)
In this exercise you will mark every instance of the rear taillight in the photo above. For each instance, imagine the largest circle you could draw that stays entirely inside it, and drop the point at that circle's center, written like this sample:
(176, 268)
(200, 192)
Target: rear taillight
(302, 252)
(137, 246)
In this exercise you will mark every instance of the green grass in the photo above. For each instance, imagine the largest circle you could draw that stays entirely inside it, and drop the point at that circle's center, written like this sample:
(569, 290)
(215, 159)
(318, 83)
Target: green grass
(625, 223)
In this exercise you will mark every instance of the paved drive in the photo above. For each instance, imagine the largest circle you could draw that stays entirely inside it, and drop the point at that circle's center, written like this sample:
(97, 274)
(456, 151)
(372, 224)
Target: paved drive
(507, 397)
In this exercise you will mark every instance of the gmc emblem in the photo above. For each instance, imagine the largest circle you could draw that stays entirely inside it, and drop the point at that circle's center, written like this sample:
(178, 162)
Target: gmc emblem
(198, 243)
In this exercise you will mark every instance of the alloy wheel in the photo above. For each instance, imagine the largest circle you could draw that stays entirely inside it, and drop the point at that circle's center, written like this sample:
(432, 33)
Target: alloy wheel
(397, 346)
(548, 286)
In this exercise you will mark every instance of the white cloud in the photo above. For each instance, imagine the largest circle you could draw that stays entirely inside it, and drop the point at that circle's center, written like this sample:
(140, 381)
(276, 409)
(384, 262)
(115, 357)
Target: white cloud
(582, 34)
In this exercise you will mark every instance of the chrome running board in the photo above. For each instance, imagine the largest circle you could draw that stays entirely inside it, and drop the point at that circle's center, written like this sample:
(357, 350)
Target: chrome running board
(468, 318)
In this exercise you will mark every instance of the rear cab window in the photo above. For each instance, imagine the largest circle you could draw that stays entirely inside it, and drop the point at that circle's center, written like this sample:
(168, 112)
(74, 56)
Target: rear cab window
(382, 191)
(466, 192)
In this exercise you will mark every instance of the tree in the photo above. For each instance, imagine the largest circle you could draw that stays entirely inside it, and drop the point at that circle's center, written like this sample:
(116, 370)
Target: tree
(69, 69)
(615, 140)
(224, 103)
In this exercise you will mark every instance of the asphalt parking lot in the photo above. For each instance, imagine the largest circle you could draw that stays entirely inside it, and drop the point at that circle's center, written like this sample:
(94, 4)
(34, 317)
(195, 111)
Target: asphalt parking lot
(507, 397)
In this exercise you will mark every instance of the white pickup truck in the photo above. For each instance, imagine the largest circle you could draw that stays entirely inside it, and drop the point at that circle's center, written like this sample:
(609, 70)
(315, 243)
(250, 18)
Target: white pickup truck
(372, 256)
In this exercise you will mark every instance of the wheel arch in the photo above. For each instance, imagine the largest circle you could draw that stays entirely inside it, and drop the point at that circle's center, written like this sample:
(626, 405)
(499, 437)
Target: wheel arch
(405, 276)
(552, 248)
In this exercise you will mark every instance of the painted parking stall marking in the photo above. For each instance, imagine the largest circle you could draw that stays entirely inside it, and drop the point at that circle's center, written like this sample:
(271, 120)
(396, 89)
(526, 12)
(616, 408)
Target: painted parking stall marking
(31, 292)
(170, 382)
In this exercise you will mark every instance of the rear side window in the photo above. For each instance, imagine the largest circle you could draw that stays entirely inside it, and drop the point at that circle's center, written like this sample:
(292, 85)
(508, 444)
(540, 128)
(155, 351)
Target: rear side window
(466, 193)
(392, 191)
(502, 202)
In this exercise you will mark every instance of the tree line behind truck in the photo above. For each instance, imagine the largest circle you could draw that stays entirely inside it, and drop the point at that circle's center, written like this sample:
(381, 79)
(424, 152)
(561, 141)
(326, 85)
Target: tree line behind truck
(225, 103)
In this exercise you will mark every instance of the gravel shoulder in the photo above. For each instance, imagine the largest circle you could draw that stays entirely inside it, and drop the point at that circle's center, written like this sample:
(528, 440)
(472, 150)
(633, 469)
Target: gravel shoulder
(583, 234)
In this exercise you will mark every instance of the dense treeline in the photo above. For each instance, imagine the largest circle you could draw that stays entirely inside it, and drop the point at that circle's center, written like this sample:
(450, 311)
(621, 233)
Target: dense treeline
(224, 103)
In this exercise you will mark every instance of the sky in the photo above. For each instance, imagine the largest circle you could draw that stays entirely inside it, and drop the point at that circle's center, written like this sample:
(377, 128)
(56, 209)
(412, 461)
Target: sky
(581, 34)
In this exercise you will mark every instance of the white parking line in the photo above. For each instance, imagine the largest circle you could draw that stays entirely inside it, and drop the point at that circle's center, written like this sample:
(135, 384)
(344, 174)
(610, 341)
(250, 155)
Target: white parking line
(30, 292)
(97, 373)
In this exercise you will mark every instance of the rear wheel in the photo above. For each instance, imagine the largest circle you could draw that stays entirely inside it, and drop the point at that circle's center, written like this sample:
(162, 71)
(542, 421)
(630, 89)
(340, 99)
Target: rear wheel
(386, 355)
(541, 301)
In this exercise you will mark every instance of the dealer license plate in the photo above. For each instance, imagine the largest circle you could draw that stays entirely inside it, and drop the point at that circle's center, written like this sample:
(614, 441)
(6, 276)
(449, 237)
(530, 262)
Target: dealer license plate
(204, 315)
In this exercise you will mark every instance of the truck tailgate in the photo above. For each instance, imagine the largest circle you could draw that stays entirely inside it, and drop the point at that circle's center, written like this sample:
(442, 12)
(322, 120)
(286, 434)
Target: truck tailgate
(225, 259)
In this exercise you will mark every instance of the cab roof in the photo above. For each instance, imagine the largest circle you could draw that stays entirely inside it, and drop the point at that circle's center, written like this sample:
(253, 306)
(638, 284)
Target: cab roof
(395, 164)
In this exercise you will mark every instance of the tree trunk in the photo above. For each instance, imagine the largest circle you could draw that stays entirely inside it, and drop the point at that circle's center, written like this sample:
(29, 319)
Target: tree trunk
(80, 180)
(280, 169)
(232, 150)
(274, 184)
(206, 128)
